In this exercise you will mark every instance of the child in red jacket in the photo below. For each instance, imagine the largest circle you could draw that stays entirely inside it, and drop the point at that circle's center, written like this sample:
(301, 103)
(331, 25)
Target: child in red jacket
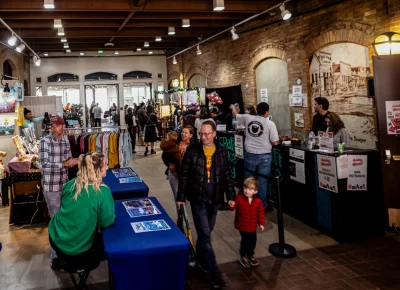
(249, 214)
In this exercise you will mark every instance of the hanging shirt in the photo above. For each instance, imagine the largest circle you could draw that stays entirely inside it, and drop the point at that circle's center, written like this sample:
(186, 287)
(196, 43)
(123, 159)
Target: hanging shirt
(121, 149)
(209, 152)
(105, 146)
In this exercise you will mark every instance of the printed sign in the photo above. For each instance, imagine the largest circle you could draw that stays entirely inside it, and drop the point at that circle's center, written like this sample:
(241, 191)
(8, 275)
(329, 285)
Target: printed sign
(239, 146)
(297, 171)
(393, 117)
(357, 179)
(297, 91)
(327, 172)
(295, 153)
(342, 166)
(221, 127)
(264, 95)
(325, 141)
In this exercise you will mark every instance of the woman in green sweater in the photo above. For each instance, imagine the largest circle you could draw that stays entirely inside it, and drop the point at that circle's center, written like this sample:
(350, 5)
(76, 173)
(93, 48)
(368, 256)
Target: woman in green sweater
(86, 205)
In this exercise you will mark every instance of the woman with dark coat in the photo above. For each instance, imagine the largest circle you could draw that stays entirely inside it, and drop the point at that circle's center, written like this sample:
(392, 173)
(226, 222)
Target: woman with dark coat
(130, 120)
(150, 132)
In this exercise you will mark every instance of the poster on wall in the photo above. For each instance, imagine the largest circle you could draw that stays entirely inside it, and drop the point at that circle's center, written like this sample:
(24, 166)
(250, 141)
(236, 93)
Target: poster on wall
(7, 103)
(239, 146)
(327, 172)
(393, 117)
(295, 101)
(299, 120)
(339, 73)
(357, 179)
(264, 95)
(7, 124)
(297, 91)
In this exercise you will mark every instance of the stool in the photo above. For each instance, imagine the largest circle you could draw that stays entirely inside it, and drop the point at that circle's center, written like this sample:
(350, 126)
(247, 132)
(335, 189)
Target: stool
(82, 272)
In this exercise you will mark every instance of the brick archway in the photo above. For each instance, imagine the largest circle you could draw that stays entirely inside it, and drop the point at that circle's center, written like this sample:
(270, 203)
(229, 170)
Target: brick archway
(344, 31)
(173, 75)
(195, 69)
(270, 50)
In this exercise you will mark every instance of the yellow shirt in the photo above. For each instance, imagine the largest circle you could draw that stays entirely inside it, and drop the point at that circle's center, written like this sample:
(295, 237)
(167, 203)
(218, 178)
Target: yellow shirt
(209, 152)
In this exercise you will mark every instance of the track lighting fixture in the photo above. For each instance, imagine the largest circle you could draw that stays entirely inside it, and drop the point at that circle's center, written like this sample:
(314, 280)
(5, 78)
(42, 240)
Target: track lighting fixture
(171, 30)
(20, 47)
(285, 13)
(49, 4)
(219, 5)
(146, 44)
(185, 23)
(57, 23)
(36, 60)
(174, 60)
(12, 40)
(234, 34)
(198, 50)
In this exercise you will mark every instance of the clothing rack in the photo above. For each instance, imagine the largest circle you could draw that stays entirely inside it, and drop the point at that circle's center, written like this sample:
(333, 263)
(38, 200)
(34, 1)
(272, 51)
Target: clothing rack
(94, 130)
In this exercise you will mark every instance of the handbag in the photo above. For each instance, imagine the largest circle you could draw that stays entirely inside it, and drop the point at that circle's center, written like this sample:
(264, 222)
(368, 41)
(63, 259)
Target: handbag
(183, 225)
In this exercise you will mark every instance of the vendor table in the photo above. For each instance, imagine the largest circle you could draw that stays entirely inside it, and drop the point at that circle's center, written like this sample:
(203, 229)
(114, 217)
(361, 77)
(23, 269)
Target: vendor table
(145, 261)
(125, 190)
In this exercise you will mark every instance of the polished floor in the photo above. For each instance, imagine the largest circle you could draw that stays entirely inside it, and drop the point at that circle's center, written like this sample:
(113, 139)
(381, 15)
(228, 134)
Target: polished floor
(321, 262)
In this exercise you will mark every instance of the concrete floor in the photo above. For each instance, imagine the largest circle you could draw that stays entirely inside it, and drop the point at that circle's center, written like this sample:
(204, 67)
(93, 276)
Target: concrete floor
(25, 264)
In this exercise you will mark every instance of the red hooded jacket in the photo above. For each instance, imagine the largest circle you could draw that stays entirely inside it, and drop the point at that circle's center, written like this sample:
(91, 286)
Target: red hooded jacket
(248, 215)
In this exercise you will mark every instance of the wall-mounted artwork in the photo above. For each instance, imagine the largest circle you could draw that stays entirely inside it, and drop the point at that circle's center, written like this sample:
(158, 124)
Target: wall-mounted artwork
(339, 73)
(7, 124)
(7, 102)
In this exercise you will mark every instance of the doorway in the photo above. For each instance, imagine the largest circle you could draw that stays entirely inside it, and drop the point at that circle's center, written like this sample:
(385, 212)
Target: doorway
(136, 93)
(272, 75)
(105, 96)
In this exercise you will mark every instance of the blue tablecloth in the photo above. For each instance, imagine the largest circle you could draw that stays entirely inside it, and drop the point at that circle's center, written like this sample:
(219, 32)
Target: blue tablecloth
(145, 261)
(125, 190)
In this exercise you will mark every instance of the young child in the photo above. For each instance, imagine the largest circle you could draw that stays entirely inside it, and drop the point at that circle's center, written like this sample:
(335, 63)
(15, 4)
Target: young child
(249, 214)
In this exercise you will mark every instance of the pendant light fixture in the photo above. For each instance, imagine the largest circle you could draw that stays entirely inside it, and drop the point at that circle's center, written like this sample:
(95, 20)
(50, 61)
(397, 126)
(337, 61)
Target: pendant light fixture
(12, 40)
(68, 50)
(185, 23)
(139, 49)
(20, 47)
(116, 52)
(64, 39)
(171, 30)
(36, 60)
(66, 45)
(46, 54)
(57, 23)
(81, 53)
(198, 50)
(49, 4)
(174, 60)
(219, 5)
(285, 13)
(150, 52)
(146, 44)
(61, 32)
(158, 38)
(387, 43)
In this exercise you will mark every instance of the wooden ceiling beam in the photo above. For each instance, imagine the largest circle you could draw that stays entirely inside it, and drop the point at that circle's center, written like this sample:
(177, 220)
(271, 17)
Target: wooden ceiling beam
(121, 46)
(102, 41)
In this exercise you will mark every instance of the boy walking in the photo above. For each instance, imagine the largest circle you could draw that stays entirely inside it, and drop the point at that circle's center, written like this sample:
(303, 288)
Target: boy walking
(249, 215)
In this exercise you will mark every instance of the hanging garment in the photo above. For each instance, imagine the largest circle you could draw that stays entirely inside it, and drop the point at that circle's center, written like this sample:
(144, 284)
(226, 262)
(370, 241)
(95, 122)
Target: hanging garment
(121, 149)
(98, 144)
(106, 139)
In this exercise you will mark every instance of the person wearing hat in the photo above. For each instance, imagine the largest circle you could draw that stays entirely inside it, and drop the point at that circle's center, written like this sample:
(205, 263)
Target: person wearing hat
(29, 121)
(55, 158)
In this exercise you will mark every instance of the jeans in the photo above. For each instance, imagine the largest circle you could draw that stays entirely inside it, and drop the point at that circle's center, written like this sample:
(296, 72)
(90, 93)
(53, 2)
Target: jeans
(53, 201)
(97, 122)
(204, 217)
(260, 163)
(248, 243)
(173, 182)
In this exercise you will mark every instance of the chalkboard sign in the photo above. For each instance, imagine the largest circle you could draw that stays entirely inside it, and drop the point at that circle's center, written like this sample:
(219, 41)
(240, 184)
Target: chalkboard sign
(227, 140)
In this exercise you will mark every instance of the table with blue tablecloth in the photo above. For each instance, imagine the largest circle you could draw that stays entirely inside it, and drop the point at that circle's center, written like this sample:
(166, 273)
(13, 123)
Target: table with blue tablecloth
(145, 261)
(125, 190)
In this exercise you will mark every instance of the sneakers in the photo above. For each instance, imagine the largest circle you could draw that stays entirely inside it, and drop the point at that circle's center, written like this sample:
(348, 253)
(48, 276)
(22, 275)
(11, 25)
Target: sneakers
(217, 281)
(253, 261)
(245, 262)
(57, 264)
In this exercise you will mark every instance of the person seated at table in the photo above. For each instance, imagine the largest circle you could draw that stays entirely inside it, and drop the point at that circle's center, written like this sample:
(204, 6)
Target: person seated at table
(86, 205)
(340, 134)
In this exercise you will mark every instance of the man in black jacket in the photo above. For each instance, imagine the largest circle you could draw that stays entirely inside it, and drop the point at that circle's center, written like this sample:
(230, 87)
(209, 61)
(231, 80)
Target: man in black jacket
(203, 180)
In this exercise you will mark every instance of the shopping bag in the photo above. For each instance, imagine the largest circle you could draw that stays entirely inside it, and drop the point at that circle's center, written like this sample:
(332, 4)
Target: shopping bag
(183, 225)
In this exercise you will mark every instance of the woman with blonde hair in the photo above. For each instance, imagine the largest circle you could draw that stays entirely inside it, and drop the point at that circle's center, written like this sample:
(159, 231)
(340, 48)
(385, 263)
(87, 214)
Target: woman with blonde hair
(86, 205)
(336, 126)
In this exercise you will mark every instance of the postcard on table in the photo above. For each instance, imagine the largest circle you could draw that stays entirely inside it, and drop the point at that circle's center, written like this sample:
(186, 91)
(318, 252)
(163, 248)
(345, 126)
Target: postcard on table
(143, 211)
(150, 226)
(137, 203)
(124, 172)
(130, 179)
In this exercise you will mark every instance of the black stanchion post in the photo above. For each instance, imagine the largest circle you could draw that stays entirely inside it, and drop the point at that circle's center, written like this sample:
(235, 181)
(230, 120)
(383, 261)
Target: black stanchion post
(281, 249)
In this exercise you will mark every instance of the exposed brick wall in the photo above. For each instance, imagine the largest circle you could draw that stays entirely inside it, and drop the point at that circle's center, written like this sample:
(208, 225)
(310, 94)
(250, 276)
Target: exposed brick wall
(318, 23)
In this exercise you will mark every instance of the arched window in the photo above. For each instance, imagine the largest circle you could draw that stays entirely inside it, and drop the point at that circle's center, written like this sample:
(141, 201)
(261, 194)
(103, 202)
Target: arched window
(197, 80)
(7, 70)
(137, 74)
(100, 76)
(63, 77)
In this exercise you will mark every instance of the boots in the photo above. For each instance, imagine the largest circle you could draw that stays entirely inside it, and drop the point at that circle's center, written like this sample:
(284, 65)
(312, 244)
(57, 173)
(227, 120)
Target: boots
(153, 151)
(146, 151)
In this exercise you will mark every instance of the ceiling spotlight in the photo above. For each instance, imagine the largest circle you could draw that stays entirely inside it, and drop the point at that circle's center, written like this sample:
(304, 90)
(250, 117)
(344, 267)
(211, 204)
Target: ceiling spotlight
(63, 39)
(150, 52)
(116, 52)
(198, 50)
(46, 54)
(61, 31)
(174, 60)
(12, 40)
(36, 60)
(20, 47)
(49, 4)
(138, 49)
(219, 5)
(285, 13)
(81, 53)
(158, 38)
(171, 30)
(66, 45)
(57, 23)
(185, 23)
(146, 44)
(68, 50)
(234, 34)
